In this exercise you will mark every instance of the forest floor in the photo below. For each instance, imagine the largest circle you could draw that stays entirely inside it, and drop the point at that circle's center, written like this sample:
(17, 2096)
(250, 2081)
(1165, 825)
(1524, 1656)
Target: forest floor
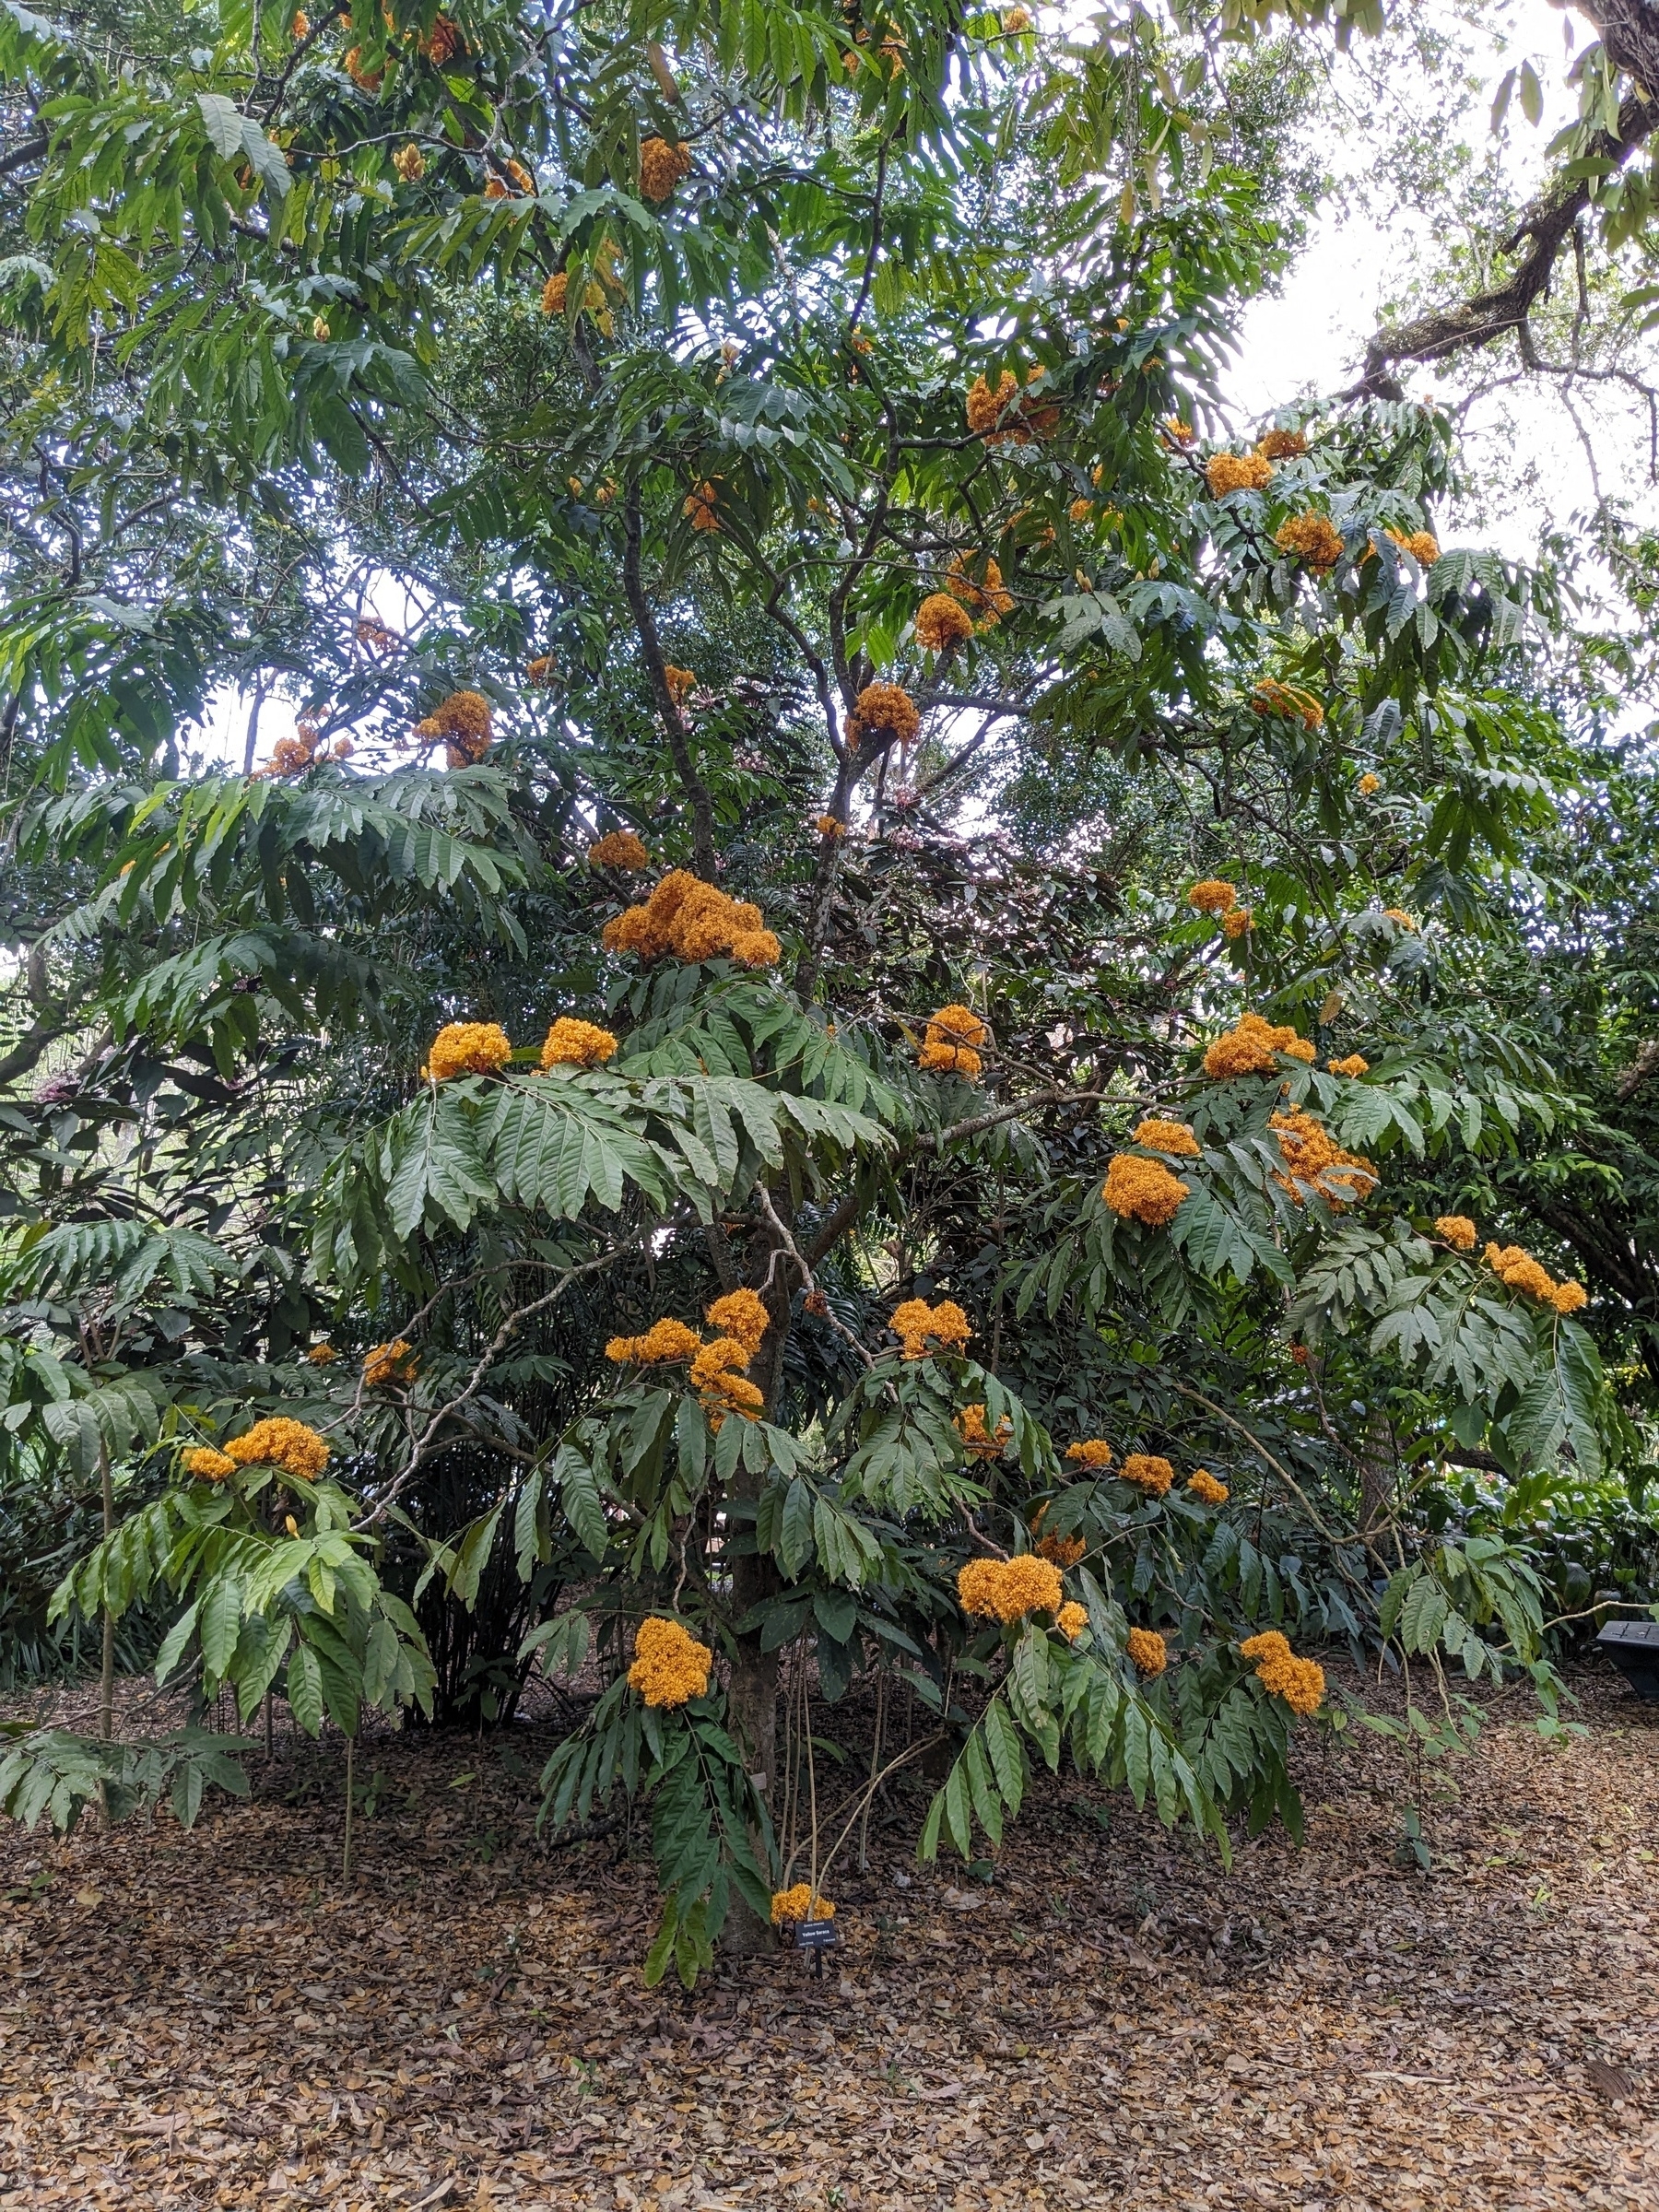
(214, 2019)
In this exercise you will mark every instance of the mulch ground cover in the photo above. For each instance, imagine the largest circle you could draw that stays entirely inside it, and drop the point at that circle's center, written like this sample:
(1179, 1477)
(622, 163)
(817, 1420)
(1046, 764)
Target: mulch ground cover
(216, 2019)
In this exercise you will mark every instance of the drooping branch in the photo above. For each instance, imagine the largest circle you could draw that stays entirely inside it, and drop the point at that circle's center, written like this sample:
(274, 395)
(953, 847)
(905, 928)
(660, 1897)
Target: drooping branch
(1544, 230)
(1629, 34)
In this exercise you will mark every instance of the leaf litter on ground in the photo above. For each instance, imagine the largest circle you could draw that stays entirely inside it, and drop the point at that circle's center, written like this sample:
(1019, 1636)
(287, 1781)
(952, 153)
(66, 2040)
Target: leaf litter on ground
(212, 2017)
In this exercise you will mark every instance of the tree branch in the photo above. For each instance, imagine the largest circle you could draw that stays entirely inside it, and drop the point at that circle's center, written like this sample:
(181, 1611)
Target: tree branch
(667, 707)
(1630, 31)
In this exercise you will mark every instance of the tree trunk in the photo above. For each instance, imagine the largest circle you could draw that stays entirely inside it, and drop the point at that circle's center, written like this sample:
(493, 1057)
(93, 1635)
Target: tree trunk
(106, 1676)
(752, 1702)
(1379, 1472)
(752, 1717)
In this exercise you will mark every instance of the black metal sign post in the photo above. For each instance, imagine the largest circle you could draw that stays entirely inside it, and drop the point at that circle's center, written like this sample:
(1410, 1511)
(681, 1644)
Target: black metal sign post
(816, 1936)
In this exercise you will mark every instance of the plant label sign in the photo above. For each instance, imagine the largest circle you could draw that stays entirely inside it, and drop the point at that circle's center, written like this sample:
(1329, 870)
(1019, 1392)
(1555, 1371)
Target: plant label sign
(815, 1936)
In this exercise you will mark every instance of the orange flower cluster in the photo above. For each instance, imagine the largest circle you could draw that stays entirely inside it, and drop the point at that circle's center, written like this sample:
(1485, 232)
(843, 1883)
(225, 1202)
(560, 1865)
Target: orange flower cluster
(441, 43)
(799, 1903)
(717, 1374)
(1206, 1488)
(662, 166)
(1009, 1589)
(1159, 1135)
(1015, 20)
(942, 622)
(829, 825)
(1148, 1652)
(1314, 1160)
(386, 1363)
(1091, 1451)
(1250, 1046)
(497, 188)
(949, 1046)
(664, 1343)
(920, 1327)
(700, 506)
(692, 921)
(1064, 1551)
(1301, 1354)
(977, 1440)
(540, 670)
(1239, 924)
(299, 26)
(619, 848)
(1213, 896)
(741, 1315)
(1271, 696)
(1228, 473)
(366, 80)
(461, 725)
(1369, 784)
(1401, 919)
(1516, 1268)
(280, 1443)
(555, 294)
(574, 1043)
(1310, 537)
(1300, 1682)
(669, 1665)
(291, 756)
(680, 683)
(322, 1355)
(1458, 1230)
(1422, 546)
(1148, 1472)
(1282, 446)
(986, 409)
(883, 707)
(1178, 432)
(717, 1367)
(411, 163)
(984, 597)
(1071, 1620)
(207, 1463)
(466, 1048)
(1144, 1190)
(1352, 1063)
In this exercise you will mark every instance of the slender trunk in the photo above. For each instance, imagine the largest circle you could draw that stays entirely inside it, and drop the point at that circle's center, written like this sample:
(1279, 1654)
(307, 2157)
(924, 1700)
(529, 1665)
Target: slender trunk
(1379, 1472)
(667, 706)
(345, 1854)
(752, 1700)
(106, 1681)
(821, 901)
(251, 748)
(752, 1717)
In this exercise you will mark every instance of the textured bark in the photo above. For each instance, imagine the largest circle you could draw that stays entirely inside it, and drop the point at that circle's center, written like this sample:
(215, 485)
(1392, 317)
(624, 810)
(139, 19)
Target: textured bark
(1378, 1473)
(752, 1716)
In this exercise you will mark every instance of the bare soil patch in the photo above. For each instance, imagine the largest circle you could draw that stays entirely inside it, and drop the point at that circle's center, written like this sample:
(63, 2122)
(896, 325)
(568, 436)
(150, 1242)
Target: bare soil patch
(212, 2018)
